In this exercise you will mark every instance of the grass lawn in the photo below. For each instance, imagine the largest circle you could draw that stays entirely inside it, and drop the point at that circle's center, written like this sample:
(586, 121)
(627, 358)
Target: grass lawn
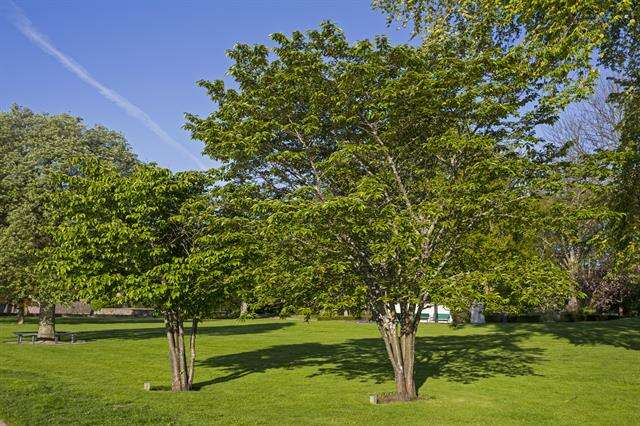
(292, 372)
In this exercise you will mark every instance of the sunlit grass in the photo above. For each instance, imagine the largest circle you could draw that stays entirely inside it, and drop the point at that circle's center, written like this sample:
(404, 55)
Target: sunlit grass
(292, 372)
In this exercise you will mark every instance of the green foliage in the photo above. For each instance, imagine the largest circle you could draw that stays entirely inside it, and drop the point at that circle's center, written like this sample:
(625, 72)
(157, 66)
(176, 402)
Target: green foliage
(151, 237)
(386, 174)
(33, 147)
(551, 33)
(553, 40)
(623, 190)
(574, 38)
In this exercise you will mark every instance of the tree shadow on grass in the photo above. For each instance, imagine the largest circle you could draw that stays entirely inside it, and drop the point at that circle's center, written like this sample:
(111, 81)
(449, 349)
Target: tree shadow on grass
(150, 333)
(463, 359)
(621, 333)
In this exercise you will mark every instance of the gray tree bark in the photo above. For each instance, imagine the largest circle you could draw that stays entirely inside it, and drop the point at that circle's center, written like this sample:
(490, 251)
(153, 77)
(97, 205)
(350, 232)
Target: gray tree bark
(47, 321)
(399, 335)
(22, 308)
(244, 308)
(173, 353)
(181, 372)
(192, 350)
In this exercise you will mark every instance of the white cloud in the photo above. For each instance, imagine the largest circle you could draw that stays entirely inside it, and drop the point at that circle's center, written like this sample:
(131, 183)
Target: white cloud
(25, 26)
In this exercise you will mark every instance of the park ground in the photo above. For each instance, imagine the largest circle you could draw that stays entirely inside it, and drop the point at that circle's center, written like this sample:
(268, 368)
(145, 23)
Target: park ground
(322, 372)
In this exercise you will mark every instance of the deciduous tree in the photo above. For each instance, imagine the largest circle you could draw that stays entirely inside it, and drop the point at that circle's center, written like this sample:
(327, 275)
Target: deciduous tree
(151, 238)
(390, 177)
(578, 39)
(32, 148)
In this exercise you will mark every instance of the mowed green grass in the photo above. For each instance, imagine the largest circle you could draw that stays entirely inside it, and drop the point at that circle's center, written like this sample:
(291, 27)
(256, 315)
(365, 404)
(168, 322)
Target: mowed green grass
(322, 372)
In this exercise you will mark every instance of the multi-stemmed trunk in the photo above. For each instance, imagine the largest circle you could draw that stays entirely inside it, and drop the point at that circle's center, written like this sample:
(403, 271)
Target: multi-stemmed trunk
(399, 337)
(181, 371)
(47, 321)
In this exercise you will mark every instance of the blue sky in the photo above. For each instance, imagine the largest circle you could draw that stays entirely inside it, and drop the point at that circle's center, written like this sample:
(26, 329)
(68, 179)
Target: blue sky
(151, 53)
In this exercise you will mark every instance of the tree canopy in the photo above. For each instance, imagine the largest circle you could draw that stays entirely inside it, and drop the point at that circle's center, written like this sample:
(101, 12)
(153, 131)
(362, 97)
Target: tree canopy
(391, 177)
(588, 37)
(152, 238)
(33, 147)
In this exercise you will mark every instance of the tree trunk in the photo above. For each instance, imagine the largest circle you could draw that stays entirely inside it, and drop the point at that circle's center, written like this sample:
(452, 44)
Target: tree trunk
(170, 326)
(244, 308)
(47, 321)
(192, 351)
(435, 313)
(22, 307)
(181, 372)
(573, 305)
(182, 356)
(399, 340)
(408, 346)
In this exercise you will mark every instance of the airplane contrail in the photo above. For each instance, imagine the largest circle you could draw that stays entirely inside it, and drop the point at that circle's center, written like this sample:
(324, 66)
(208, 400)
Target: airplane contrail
(26, 27)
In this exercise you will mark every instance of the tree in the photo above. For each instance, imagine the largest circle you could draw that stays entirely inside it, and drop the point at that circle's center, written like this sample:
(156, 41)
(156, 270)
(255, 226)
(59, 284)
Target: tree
(589, 126)
(579, 215)
(390, 177)
(33, 147)
(621, 53)
(569, 36)
(149, 238)
(551, 32)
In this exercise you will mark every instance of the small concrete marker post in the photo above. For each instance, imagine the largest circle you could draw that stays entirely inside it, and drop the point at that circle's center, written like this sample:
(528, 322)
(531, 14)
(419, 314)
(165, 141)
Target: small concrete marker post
(373, 399)
(147, 386)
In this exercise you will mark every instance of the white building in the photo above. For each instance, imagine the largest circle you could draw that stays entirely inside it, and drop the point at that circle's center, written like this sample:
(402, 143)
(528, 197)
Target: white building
(436, 313)
(433, 313)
